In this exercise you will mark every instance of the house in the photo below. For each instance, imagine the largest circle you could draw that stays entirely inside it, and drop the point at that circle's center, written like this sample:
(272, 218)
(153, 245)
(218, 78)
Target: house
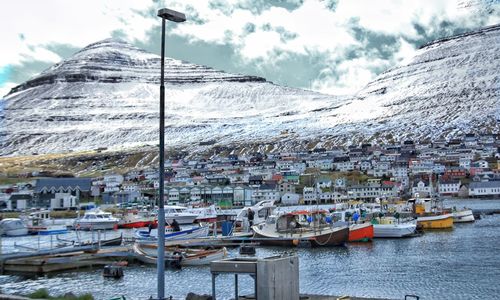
(449, 187)
(290, 199)
(370, 192)
(484, 189)
(286, 187)
(309, 195)
(46, 189)
(421, 188)
(255, 180)
(266, 192)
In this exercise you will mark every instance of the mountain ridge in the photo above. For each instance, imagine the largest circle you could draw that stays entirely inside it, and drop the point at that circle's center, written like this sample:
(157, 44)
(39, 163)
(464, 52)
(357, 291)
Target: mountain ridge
(108, 98)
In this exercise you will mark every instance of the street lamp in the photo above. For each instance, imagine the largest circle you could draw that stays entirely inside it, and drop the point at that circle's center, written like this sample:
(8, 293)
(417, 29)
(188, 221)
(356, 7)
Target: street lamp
(177, 17)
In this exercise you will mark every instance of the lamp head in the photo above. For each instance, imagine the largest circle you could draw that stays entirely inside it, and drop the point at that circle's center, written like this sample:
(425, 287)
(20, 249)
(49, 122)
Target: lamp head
(171, 15)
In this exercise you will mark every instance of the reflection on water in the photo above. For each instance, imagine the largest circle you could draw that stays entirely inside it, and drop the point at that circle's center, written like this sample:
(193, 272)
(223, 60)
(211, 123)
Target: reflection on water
(460, 264)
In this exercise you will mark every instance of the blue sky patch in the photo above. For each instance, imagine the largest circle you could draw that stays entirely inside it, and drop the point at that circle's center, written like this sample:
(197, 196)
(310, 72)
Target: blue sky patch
(4, 74)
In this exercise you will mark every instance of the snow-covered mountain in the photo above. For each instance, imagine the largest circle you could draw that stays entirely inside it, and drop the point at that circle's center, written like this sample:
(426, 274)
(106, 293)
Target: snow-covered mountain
(107, 95)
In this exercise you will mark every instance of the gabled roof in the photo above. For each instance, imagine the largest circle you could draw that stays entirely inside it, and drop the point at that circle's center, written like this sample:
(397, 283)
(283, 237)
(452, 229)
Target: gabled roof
(65, 184)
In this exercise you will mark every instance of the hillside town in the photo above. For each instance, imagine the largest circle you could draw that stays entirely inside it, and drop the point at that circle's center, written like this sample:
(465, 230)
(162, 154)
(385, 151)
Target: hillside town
(469, 167)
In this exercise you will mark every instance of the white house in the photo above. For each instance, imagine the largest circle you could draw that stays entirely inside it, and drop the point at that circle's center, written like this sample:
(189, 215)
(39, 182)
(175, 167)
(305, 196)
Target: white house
(488, 188)
(450, 187)
(422, 188)
(290, 199)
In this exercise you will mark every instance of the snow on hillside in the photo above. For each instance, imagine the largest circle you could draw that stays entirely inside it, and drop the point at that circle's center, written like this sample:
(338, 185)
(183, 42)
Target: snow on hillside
(107, 95)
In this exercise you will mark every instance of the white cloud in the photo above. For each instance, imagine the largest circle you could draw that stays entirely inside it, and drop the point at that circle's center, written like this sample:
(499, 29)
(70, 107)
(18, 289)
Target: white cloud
(77, 23)
(310, 28)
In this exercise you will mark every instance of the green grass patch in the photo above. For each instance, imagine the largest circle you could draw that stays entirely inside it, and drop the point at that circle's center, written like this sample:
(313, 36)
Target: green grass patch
(44, 294)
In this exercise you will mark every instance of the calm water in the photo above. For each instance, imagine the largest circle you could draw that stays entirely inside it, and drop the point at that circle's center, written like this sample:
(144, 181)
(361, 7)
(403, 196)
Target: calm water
(459, 264)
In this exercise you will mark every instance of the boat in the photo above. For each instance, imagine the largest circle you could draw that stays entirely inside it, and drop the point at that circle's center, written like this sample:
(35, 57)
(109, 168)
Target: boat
(40, 221)
(389, 227)
(444, 221)
(180, 214)
(96, 220)
(117, 241)
(206, 214)
(148, 253)
(361, 232)
(295, 228)
(13, 227)
(136, 219)
(190, 233)
(261, 209)
(463, 216)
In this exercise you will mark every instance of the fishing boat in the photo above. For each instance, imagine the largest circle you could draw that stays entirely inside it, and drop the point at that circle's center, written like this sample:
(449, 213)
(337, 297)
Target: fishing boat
(180, 214)
(294, 228)
(362, 232)
(389, 227)
(463, 216)
(13, 227)
(444, 221)
(137, 219)
(147, 253)
(40, 221)
(190, 233)
(96, 220)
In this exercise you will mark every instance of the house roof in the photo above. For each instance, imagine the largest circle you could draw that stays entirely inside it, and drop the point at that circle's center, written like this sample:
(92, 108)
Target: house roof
(485, 184)
(55, 184)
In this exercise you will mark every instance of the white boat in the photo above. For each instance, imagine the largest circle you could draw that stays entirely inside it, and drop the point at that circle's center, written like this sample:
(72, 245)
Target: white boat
(186, 256)
(390, 228)
(13, 227)
(204, 214)
(261, 209)
(96, 220)
(463, 216)
(41, 221)
(180, 214)
(191, 233)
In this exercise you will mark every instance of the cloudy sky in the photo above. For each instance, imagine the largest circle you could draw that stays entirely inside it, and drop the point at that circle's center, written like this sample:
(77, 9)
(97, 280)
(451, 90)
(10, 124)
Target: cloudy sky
(331, 46)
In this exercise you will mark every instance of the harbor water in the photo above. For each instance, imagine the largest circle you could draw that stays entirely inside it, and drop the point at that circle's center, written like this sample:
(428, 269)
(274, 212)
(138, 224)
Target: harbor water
(463, 263)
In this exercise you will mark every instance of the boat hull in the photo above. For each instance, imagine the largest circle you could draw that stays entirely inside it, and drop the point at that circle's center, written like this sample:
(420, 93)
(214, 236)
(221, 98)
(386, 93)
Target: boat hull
(181, 219)
(436, 222)
(463, 216)
(361, 232)
(332, 237)
(137, 224)
(16, 232)
(393, 230)
(191, 233)
(96, 226)
(188, 257)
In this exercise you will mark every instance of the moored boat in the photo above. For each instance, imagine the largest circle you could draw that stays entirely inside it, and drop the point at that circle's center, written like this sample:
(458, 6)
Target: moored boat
(96, 220)
(361, 232)
(290, 229)
(463, 216)
(390, 228)
(147, 253)
(13, 227)
(180, 214)
(190, 233)
(136, 220)
(444, 221)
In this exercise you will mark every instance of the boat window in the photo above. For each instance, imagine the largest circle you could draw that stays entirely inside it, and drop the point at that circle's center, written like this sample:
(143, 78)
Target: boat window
(92, 217)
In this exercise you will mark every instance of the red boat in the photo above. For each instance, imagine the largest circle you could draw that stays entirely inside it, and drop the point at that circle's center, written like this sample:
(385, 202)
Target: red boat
(361, 232)
(137, 220)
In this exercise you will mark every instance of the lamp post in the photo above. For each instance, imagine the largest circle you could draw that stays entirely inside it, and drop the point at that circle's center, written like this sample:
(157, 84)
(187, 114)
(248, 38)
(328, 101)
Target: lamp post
(174, 16)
